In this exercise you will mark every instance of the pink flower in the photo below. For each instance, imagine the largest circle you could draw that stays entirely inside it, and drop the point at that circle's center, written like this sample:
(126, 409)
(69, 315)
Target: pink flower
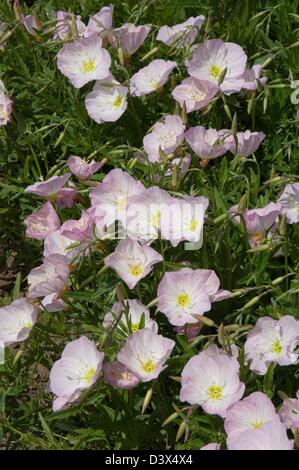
(101, 23)
(145, 354)
(190, 330)
(182, 294)
(289, 201)
(64, 25)
(54, 303)
(270, 436)
(48, 278)
(289, 412)
(132, 261)
(181, 34)
(58, 244)
(215, 57)
(42, 222)
(129, 37)
(272, 341)
(211, 446)
(77, 370)
(16, 321)
(67, 197)
(82, 229)
(106, 103)
(5, 107)
(208, 143)
(129, 316)
(167, 136)
(119, 376)
(259, 221)
(152, 77)
(84, 60)
(113, 196)
(196, 94)
(248, 143)
(250, 413)
(82, 169)
(32, 24)
(211, 379)
(48, 189)
(252, 78)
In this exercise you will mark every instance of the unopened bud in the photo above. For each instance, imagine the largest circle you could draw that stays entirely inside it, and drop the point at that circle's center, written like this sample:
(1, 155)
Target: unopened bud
(147, 399)
(227, 110)
(149, 54)
(251, 302)
(181, 431)
(234, 128)
(184, 114)
(121, 57)
(170, 418)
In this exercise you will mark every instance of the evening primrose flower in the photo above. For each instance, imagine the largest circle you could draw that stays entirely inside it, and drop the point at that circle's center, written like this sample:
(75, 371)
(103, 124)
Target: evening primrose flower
(5, 107)
(211, 379)
(67, 197)
(48, 278)
(289, 201)
(77, 370)
(252, 78)
(42, 222)
(250, 413)
(84, 60)
(119, 376)
(58, 244)
(182, 294)
(181, 34)
(54, 303)
(208, 143)
(80, 230)
(270, 436)
(211, 446)
(48, 189)
(82, 169)
(113, 196)
(129, 37)
(100, 24)
(247, 143)
(272, 341)
(216, 60)
(289, 412)
(196, 94)
(106, 103)
(132, 261)
(129, 316)
(16, 321)
(152, 77)
(63, 29)
(259, 221)
(145, 354)
(167, 135)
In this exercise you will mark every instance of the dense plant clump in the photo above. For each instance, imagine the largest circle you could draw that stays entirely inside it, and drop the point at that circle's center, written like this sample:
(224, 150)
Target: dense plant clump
(150, 184)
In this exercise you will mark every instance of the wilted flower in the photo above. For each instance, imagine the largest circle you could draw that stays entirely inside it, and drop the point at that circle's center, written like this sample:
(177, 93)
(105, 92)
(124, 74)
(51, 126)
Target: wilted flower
(100, 23)
(208, 143)
(215, 60)
(289, 412)
(48, 278)
(129, 37)
(196, 94)
(106, 102)
(250, 413)
(132, 261)
(16, 321)
(58, 244)
(113, 196)
(166, 136)
(64, 25)
(272, 341)
(190, 330)
(248, 143)
(181, 34)
(289, 201)
(145, 354)
(82, 229)
(270, 436)
(54, 303)
(119, 376)
(77, 370)
(82, 169)
(129, 316)
(152, 77)
(42, 222)
(84, 60)
(252, 78)
(48, 189)
(211, 379)
(259, 221)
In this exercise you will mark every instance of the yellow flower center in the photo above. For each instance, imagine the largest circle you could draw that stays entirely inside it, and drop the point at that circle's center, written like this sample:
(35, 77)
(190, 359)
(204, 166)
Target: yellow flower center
(257, 424)
(27, 325)
(156, 219)
(89, 374)
(297, 207)
(276, 347)
(121, 203)
(183, 300)
(136, 270)
(215, 392)
(134, 327)
(193, 225)
(148, 366)
(88, 66)
(257, 237)
(215, 71)
(118, 102)
(3, 114)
